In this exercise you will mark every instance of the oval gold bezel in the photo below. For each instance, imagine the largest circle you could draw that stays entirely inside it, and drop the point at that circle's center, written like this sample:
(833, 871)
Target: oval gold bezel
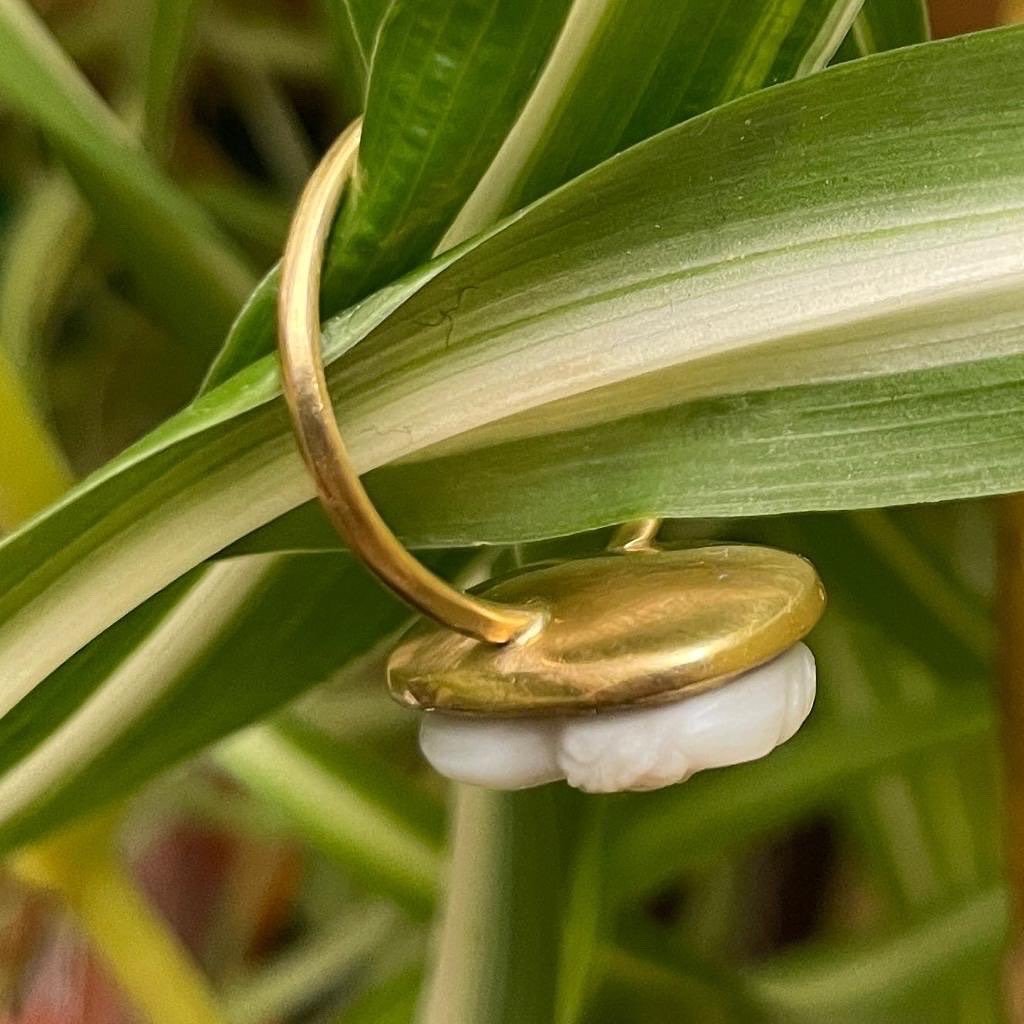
(621, 629)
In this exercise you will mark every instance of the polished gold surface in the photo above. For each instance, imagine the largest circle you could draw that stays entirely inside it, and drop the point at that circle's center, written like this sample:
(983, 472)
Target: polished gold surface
(638, 625)
(622, 629)
(305, 387)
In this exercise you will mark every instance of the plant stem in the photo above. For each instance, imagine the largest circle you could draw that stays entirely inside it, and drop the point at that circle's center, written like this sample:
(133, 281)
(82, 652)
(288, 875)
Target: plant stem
(584, 911)
(497, 957)
(32, 470)
(1010, 612)
(81, 866)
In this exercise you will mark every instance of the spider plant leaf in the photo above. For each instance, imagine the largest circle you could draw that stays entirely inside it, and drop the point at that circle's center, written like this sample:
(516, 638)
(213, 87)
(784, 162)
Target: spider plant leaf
(889, 24)
(52, 231)
(170, 245)
(363, 816)
(837, 467)
(335, 956)
(502, 911)
(846, 981)
(353, 25)
(206, 656)
(283, 48)
(367, 826)
(925, 606)
(627, 69)
(44, 245)
(867, 979)
(781, 337)
(915, 830)
(502, 865)
(584, 923)
(446, 82)
(374, 822)
(251, 214)
(171, 38)
(612, 55)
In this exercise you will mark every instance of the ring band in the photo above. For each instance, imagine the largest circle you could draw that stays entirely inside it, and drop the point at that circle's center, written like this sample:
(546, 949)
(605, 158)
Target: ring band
(341, 493)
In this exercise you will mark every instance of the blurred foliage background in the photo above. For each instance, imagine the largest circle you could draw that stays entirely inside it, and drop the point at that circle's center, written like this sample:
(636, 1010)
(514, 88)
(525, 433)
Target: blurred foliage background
(858, 878)
(244, 113)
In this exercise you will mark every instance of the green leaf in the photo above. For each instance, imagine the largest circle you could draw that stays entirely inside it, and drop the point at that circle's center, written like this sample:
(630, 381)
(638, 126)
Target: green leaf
(54, 226)
(354, 25)
(446, 83)
(171, 38)
(614, 50)
(504, 905)
(828, 453)
(200, 660)
(627, 69)
(252, 215)
(644, 990)
(913, 824)
(350, 806)
(922, 831)
(44, 245)
(279, 46)
(922, 606)
(888, 25)
(313, 968)
(274, 128)
(893, 297)
(869, 976)
(583, 922)
(170, 245)
(850, 982)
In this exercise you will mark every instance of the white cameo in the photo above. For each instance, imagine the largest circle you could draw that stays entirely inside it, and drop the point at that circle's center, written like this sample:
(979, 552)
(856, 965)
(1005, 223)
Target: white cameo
(633, 749)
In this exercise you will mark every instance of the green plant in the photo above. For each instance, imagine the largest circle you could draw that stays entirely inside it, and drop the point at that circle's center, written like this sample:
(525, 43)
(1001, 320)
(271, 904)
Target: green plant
(602, 259)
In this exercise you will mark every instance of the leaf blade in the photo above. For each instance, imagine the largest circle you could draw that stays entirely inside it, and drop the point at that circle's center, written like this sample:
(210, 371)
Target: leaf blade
(347, 806)
(408, 386)
(172, 247)
(888, 26)
(124, 708)
(626, 70)
(353, 26)
(444, 85)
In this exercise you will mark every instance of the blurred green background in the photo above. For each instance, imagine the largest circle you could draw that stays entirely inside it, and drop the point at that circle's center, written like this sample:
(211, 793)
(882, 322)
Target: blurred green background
(857, 876)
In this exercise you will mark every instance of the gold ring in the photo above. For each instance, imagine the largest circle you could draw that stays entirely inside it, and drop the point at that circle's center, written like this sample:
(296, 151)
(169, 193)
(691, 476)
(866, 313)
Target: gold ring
(636, 625)
(341, 493)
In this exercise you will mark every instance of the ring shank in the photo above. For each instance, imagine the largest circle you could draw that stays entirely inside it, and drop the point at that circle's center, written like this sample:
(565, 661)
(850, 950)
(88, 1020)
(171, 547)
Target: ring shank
(341, 493)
